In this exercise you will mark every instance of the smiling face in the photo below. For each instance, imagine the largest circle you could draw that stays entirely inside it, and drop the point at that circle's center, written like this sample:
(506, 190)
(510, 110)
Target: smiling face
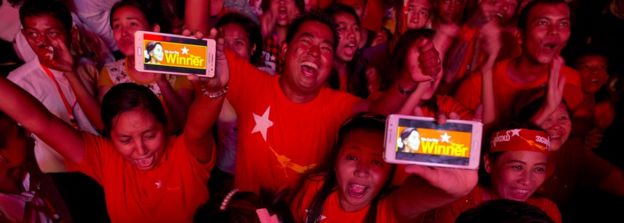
(360, 169)
(158, 53)
(126, 21)
(412, 141)
(139, 138)
(308, 58)
(515, 175)
(558, 126)
(547, 32)
(40, 31)
(593, 71)
(348, 36)
(501, 10)
(418, 13)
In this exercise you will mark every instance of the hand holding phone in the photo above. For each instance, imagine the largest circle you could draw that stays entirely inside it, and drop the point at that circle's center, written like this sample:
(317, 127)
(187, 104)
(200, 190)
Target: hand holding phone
(421, 141)
(174, 54)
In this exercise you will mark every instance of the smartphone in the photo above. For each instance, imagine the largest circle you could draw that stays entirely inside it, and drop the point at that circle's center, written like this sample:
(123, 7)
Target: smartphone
(421, 141)
(174, 54)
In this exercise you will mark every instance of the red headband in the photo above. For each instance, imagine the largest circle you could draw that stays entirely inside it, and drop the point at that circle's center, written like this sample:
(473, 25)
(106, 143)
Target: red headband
(520, 140)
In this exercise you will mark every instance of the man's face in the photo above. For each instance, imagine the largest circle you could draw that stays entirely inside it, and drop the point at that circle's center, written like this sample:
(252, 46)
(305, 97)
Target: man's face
(309, 57)
(417, 13)
(593, 71)
(515, 175)
(40, 31)
(547, 32)
(450, 11)
(501, 10)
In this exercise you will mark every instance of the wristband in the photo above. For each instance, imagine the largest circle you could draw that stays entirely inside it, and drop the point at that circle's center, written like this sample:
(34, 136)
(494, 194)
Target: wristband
(215, 94)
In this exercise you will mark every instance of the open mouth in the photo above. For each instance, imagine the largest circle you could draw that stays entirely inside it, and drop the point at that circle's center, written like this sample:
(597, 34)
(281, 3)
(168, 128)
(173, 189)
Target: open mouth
(357, 191)
(520, 194)
(144, 163)
(350, 48)
(309, 69)
(282, 13)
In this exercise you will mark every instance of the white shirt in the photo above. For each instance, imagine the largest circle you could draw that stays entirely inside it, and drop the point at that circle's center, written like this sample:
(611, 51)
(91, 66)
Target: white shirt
(33, 79)
(95, 14)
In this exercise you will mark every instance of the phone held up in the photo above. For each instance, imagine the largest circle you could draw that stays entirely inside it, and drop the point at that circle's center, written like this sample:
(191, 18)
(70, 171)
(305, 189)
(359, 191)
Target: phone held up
(421, 141)
(174, 54)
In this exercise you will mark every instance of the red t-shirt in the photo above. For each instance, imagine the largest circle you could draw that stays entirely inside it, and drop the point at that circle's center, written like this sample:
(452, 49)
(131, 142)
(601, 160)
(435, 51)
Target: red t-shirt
(278, 139)
(506, 91)
(448, 213)
(332, 211)
(171, 192)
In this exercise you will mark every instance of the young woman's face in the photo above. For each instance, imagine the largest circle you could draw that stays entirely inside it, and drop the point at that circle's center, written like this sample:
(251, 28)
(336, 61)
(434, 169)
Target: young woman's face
(158, 53)
(515, 175)
(139, 137)
(418, 13)
(127, 20)
(348, 36)
(236, 39)
(284, 11)
(412, 141)
(558, 126)
(360, 169)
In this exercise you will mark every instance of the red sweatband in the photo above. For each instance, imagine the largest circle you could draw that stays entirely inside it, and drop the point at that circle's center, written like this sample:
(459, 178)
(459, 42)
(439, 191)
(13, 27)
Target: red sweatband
(520, 140)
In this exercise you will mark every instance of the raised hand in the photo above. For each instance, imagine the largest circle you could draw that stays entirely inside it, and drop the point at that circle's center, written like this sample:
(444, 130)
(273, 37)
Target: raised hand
(221, 77)
(59, 57)
(429, 60)
(556, 84)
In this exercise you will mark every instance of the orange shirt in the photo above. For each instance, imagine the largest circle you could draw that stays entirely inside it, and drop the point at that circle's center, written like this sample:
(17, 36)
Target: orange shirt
(168, 193)
(332, 211)
(506, 90)
(448, 213)
(278, 139)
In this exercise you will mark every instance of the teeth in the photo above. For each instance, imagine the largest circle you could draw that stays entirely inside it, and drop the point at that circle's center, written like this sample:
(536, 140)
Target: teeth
(310, 64)
(145, 162)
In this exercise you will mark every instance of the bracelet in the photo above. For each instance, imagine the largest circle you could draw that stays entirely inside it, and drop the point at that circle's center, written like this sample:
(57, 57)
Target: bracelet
(215, 94)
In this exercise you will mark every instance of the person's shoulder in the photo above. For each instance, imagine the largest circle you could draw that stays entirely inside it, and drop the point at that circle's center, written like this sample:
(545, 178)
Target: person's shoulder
(22, 72)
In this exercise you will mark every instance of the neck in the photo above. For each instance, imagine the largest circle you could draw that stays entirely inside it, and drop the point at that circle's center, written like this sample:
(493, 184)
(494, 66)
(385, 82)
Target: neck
(341, 67)
(527, 69)
(281, 33)
(296, 95)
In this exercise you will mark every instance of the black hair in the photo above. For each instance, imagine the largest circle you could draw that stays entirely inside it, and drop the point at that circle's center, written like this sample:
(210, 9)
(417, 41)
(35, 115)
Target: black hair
(300, 4)
(315, 16)
(523, 18)
(603, 93)
(128, 96)
(149, 48)
(504, 211)
(143, 6)
(241, 208)
(254, 36)
(54, 8)
(360, 121)
(338, 8)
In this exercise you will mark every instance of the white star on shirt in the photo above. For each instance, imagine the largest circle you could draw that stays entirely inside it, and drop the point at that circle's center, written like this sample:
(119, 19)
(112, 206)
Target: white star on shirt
(185, 50)
(445, 137)
(515, 132)
(262, 123)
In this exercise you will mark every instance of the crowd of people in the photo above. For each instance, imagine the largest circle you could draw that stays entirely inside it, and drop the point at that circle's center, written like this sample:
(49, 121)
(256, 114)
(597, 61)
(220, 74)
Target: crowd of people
(291, 128)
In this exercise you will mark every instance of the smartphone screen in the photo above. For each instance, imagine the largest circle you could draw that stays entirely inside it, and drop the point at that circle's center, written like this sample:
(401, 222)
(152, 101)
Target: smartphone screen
(428, 142)
(164, 53)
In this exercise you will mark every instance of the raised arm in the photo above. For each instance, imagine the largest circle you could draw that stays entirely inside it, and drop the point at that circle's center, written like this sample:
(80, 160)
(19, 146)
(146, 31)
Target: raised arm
(207, 105)
(29, 112)
(197, 15)
(556, 84)
(176, 101)
(491, 42)
(394, 98)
